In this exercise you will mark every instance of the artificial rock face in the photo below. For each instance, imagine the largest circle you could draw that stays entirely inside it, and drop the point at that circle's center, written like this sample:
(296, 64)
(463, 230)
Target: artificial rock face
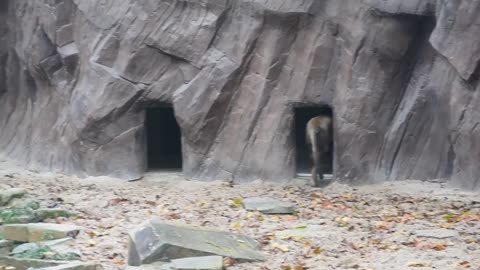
(401, 76)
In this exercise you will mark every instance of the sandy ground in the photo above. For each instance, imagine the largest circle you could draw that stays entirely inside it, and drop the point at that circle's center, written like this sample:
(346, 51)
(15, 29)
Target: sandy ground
(367, 227)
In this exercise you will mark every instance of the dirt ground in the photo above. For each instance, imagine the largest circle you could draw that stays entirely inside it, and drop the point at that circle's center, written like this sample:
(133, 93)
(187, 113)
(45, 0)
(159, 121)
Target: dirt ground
(367, 227)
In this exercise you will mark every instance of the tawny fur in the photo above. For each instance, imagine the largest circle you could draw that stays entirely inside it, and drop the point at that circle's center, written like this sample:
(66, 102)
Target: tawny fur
(319, 133)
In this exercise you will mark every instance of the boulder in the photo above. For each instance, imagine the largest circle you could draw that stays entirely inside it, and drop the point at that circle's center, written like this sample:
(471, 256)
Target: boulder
(193, 263)
(24, 264)
(268, 205)
(35, 232)
(436, 233)
(72, 266)
(7, 195)
(155, 240)
(60, 249)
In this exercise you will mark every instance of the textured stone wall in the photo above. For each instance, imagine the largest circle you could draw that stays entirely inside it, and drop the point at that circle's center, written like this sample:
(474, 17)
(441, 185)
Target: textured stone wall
(401, 75)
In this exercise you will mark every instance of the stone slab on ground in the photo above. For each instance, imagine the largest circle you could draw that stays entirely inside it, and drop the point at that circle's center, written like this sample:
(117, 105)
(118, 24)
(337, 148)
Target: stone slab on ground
(156, 240)
(61, 247)
(6, 246)
(7, 195)
(436, 233)
(24, 264)
(35, 232)
(152, 266)
(198, 263)
(72, 266)
(268, 205)
(44, 213)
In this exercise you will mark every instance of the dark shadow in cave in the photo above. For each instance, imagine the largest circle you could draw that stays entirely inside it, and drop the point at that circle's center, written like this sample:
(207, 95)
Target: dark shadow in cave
(3, 6)
(303, 155)
(164, 143)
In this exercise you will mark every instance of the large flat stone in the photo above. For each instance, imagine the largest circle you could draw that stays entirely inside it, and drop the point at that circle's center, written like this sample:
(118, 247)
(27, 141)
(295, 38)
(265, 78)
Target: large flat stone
(35, 232)
(24, 264)
(198, 263)
(193, 263)
(268, 205)
(72, 266)
(155, 240)
(7, 195)
(436, 233)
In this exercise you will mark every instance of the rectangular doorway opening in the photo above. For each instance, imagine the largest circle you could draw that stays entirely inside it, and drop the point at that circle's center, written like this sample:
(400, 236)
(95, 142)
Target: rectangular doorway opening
(303, 152)
(164, 139)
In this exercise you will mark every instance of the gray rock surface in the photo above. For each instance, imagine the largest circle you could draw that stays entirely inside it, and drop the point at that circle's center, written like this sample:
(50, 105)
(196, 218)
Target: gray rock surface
(7, 195)
(35, 232)
(436, 233)
(155, 241)
(401, 75)
(196, 263)
(267, 205)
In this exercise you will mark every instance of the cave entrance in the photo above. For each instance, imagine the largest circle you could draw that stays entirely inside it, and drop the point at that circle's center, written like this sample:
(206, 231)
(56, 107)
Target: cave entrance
(164, 140)
(303, 156)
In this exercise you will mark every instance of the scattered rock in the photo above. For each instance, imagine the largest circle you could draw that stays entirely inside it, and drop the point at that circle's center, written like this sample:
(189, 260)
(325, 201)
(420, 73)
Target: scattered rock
(23, 203)
(7, 195)
(35, 232)
(268, 205)
(436, 233)
(45, 213)
(72, 266)
(198, 263)
(51, 250)
(152, 266)
(155, 240)
(17, 216)
(24, 264)
(6, 246)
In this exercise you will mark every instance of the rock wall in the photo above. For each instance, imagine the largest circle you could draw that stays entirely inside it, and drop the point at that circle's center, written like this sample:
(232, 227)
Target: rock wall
(401, 76)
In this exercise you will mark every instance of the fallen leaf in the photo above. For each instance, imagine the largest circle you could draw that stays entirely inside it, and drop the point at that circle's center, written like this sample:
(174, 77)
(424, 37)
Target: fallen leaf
(280, 247)
(228, 261)
(91, 242)
(438, 246)
(235, 202)
(116, 201)
(235, 225)
(317, 250)
(419, 264)
(465, 264)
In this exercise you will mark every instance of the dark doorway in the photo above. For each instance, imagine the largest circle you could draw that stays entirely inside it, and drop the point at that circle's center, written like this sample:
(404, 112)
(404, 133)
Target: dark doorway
(303, 153)
(164, 145)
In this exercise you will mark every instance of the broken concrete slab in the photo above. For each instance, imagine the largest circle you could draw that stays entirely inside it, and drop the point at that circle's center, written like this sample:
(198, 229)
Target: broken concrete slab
(24, 264)
(60, 249)
(7, 195)
(6, 246)
(156, 240)
(44, 213)
(198, 263)
(35, 232)
(17, 216)
(436, 233)
(72, 266)
(268, 205)
(28, 215)
(152, 266)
